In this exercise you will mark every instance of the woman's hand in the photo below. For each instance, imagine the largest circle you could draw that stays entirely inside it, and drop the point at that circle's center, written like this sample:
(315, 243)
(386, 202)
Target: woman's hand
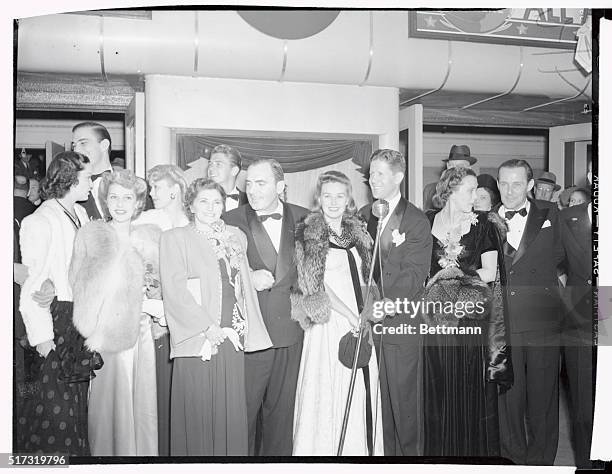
(45, 347)
(44, 297)
(215, 335)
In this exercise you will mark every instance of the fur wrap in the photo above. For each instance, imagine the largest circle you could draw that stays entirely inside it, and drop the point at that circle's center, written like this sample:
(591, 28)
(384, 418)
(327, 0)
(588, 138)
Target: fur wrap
(107, 281)
(451, 285)
(310, 303)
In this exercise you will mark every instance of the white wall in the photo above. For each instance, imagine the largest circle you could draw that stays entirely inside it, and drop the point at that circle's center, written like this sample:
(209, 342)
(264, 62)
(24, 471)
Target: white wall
(263, 108)
(33, 133)
(490, 150)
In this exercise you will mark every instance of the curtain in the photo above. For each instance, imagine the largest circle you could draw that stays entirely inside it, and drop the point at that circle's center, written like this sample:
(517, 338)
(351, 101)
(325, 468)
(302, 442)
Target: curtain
(294, 155)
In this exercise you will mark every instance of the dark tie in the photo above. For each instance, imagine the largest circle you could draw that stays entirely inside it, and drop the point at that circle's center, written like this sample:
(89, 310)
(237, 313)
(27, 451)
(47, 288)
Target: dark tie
(521, 212)
(90, 204)
(276, 216)
(96, 176)
(235, 197)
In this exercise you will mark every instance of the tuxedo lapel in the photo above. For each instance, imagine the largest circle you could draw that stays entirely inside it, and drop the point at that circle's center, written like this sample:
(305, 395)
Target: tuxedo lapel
(372, 224)
(395, 220)
(262, 240)
(535, 219)
(287, 245)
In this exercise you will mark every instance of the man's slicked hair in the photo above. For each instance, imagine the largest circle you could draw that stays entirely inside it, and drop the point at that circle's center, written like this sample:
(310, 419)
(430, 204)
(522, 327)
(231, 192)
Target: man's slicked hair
(394, 159)
(517, 163)
(99, 130)
(277, 169)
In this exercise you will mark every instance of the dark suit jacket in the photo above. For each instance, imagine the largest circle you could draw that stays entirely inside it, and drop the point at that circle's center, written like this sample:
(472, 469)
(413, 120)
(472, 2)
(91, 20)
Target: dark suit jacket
(576, 239)
(405, 266)
(32, 170)
(274, 303)
(531, 272)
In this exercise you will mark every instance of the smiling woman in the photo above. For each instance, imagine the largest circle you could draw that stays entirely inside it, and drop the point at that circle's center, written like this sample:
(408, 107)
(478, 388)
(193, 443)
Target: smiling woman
(107, 272)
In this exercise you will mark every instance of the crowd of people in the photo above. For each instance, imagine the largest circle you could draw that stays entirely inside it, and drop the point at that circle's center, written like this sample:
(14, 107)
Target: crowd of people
(224, 322)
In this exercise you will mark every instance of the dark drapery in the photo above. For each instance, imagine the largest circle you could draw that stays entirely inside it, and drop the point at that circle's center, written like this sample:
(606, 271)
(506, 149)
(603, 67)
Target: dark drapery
(293, 154)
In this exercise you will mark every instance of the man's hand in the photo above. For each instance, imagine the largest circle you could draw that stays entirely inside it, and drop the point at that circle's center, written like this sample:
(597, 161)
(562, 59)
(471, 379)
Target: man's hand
(262, 279)
(20, 273)
(45, 295)
(45, 347)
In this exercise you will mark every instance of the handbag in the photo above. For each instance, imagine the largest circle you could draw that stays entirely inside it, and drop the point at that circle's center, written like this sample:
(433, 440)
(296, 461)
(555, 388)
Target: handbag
(348, 346)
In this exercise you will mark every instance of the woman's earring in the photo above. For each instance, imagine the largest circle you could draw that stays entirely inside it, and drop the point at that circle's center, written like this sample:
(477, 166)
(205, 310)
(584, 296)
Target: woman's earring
(172, 196)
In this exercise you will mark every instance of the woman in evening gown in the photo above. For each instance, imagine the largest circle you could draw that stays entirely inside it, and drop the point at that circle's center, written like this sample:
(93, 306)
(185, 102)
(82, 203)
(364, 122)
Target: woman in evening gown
(108, 277)
(167, 184)
(55, 420)
(333, 254)
(462, 373)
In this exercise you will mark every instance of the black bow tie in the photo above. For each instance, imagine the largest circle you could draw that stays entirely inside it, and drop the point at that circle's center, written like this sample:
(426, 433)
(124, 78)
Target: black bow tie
(276, 216)
(99, 175)
(521, 212)
(235, 197)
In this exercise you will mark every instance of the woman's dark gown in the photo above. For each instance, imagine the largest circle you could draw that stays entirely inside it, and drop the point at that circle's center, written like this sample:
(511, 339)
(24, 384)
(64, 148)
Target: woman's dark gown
(209, 397)
(57, 421)
(459, 404)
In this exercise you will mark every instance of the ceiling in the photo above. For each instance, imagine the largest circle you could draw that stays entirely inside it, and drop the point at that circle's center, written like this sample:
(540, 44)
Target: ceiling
(47, 91)
(446, 108)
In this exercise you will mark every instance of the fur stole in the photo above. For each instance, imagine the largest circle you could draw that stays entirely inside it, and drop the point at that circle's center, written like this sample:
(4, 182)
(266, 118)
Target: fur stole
(500, 223)
(107, 281)
(310, 303)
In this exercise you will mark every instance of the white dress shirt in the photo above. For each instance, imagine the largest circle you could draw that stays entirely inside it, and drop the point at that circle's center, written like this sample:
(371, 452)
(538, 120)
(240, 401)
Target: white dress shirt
(232, 203)
(273, 226)
(393, 202)
(516, 225)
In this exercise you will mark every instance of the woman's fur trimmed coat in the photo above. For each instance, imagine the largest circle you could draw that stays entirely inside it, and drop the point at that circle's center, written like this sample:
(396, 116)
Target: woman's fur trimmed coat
(107, 283)
(310, 303)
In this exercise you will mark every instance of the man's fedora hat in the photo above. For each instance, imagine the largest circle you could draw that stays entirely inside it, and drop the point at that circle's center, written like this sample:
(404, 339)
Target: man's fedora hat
(548, 178)
(461, 152)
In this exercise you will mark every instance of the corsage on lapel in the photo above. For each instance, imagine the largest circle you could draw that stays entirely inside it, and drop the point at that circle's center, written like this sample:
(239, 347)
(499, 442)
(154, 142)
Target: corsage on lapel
(398, 239)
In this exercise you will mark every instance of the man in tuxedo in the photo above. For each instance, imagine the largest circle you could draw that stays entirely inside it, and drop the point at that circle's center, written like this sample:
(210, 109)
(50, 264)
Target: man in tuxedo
(577, 327)
(271, 374)
(93, 140)
(223, 168)
(405, 246)
(529, 411)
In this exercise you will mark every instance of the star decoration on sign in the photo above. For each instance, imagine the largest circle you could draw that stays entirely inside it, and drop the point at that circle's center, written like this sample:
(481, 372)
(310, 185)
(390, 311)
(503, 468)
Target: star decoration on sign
(430, 22)
(522, 29)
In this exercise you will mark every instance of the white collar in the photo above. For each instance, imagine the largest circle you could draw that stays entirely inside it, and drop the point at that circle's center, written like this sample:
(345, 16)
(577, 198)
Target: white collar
(394, 201)
(279, 209)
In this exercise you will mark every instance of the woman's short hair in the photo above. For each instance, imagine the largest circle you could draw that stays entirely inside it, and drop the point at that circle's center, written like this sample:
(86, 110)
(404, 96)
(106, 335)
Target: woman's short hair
(172, 174)
(450, 179)
(62, 174)
(335, 177)
(194, 189)
(128, 180)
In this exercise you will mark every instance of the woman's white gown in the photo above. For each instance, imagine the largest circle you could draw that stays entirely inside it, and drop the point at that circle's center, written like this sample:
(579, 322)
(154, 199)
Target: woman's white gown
(323, 382)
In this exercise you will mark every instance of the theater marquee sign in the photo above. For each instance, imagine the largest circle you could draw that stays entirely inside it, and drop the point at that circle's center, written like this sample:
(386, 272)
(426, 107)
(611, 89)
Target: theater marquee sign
(551, 27)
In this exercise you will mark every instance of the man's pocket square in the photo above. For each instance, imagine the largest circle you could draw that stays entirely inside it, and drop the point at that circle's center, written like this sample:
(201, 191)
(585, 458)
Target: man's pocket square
(546, 224)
